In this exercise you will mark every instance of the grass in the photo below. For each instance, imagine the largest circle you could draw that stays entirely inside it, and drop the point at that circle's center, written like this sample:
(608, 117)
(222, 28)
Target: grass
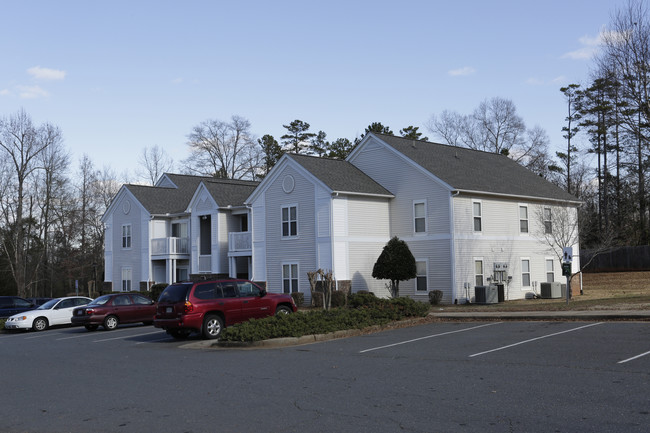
(601, 291)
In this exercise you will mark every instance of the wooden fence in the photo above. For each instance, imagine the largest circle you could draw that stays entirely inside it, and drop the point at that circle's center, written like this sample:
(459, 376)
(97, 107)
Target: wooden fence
(617, 259)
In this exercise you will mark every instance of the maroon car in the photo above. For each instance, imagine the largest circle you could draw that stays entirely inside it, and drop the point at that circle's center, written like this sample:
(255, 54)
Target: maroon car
(207, 307)
(111, 310)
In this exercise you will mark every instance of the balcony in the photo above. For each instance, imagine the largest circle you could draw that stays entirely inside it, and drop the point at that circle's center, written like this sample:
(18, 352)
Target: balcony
(239, 243)
(170, 246)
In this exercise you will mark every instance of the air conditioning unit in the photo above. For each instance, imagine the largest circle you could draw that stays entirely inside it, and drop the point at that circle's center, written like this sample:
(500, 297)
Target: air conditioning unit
(486, 294)
(551, 290)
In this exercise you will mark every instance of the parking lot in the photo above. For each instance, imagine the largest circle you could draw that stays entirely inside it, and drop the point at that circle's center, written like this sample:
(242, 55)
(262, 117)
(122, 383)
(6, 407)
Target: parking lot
(449, 376)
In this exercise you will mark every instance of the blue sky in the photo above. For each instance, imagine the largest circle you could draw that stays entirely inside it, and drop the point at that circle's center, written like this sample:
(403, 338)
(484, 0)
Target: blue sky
(117, 76)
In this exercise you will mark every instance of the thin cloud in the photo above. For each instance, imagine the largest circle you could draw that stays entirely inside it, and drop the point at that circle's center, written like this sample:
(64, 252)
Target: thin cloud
(4, 92)
(32, 92)
(462, 72)
(177, 80)
(591, 45)
(534, 81)
(46, 74)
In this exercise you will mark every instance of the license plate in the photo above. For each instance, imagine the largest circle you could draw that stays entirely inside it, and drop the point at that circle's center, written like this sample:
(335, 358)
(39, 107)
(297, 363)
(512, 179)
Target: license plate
(169, 310)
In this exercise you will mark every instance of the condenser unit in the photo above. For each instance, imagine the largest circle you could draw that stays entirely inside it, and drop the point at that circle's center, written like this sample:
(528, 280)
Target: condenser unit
(551, 290)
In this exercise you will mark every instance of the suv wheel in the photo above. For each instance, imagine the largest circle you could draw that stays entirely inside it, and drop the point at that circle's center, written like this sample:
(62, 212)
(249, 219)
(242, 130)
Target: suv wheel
(282, 310)
(212, 326)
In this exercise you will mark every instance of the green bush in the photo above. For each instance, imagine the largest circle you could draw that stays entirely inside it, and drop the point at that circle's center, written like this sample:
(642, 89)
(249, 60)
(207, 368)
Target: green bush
(156, 290)
(338, 299)
(435, 296)
(2, 323)
(366, 313)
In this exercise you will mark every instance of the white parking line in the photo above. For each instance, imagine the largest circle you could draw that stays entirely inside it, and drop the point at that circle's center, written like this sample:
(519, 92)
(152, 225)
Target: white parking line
(633, 358)
(128, 336)
(168, 338)
(429, 336)
(43, 334)
(534, 339)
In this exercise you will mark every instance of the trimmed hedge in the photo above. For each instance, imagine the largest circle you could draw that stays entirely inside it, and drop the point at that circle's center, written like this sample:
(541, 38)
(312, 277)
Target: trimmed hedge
(368, 310)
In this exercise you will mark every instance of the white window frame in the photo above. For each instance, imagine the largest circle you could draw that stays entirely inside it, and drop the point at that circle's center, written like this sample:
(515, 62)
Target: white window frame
(422, 203)
(288, 221)
(552, 270)
(127, 236)
(419, 277)
(482, 275)
(127, 279)
(293, 279)
(527, 219)
(548, 222)
(479, 216)
(525, 272)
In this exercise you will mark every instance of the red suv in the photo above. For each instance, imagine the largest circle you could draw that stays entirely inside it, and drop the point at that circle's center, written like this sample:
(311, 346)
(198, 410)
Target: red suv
(209, 306)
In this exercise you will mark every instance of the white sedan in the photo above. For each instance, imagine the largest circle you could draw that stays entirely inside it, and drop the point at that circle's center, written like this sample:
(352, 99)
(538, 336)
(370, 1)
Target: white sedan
(55, 312)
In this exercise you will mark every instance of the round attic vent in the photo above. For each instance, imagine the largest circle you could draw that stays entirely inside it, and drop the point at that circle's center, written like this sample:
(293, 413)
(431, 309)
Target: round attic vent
(126, 206)
(288, 183)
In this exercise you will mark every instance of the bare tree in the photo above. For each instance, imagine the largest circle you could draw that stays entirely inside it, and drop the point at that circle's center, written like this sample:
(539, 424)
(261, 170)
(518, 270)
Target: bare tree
(21, 142)
(153, 162)
(495, 127)
(222, 149)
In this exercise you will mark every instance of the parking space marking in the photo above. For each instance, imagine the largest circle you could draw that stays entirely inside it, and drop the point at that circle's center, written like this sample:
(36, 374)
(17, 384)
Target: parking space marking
(128, 336)
(429, 336)
(633, 358)
(154, 341)
(43, 334)
(535, 339)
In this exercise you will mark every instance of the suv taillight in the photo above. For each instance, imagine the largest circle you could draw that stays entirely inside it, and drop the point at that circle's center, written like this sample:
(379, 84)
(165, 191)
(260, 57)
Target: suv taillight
(188, 308)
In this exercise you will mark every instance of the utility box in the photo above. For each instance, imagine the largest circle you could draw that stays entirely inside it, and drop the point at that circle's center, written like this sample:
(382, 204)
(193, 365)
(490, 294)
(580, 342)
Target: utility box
(486, 294)
(551, 290)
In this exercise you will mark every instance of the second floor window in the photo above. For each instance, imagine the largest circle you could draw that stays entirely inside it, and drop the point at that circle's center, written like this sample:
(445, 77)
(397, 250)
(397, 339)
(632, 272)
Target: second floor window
(419, 217)
(548, 226)
(523, 219)
(478, 226)
(126, 236)
(289, 221)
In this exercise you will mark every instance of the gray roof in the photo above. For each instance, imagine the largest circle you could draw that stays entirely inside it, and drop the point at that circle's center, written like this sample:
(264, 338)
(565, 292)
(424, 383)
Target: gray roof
(473, 170)
(340, 176)
(162, 200)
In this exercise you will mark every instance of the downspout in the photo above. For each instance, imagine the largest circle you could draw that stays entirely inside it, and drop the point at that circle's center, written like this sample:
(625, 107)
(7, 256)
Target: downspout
(332, 245)
(454, 291)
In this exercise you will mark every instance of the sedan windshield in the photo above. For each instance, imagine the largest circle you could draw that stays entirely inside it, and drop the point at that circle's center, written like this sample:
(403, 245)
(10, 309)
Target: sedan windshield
(48, 305)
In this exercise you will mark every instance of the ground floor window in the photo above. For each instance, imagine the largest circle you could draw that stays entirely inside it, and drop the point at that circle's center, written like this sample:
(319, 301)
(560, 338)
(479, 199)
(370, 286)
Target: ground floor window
(421, 276)
(550, 273)
(127, 276)
(525, 273)
(290, 277)
(478, 271)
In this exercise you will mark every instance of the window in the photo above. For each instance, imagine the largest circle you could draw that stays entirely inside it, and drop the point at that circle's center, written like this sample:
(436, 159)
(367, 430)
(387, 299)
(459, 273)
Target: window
(421, 276)
(477, 216)
(550, 273)
(290, 278)
(525, 273)
(419, 217)
(126, 279)
(548, 226)
(126, 236)
(523, 219)
(478, 272)
(289, 221)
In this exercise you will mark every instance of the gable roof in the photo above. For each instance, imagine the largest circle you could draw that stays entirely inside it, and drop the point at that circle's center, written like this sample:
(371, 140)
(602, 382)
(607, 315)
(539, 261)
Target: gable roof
(230, 192)
(159, 200)
(469, 170)
(340, 176)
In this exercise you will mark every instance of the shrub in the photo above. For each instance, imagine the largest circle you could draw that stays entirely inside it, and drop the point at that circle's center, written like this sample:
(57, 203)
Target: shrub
(2, 324)
(298, 298)
(338, 298)
(435, 297)
(368, 310)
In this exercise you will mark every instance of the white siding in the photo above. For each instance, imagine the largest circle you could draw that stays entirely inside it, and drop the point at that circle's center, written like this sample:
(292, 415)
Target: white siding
(136, 257)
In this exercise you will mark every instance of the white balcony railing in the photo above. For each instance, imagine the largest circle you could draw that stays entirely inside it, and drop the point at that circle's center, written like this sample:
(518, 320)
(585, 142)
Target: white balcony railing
(164, 246)
(239, 241)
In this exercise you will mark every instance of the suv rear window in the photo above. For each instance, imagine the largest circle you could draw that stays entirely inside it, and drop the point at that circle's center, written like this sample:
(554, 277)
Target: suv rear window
(175, 293)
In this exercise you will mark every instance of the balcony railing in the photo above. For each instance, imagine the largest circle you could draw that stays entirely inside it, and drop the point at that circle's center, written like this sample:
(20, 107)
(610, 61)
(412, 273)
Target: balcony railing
(239, 241)
(165, 246)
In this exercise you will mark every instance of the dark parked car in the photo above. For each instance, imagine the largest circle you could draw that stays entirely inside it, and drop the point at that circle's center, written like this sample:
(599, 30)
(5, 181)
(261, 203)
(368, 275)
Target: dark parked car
(111, 310)
(207, 307)
(10, 305)
(38, 301)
